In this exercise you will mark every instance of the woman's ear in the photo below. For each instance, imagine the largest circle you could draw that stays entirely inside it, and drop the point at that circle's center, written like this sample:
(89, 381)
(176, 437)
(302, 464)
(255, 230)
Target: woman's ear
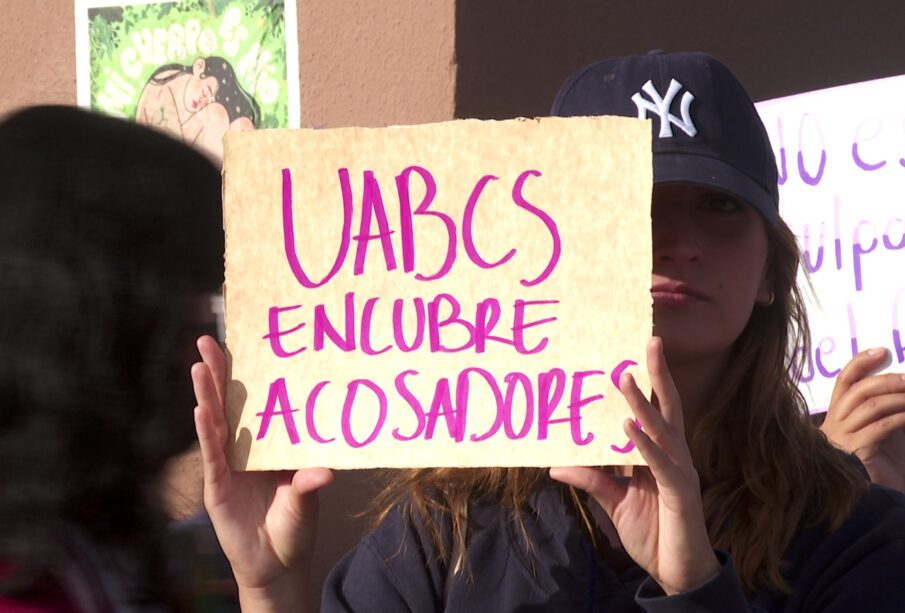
(198, 67)
(765, 299)
(765, 295)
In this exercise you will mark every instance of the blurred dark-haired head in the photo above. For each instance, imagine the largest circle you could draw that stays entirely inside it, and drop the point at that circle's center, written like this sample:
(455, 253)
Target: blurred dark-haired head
(111, 245)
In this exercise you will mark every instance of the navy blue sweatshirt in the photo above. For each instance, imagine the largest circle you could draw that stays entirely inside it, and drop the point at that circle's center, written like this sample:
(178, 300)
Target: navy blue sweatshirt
(859, 567)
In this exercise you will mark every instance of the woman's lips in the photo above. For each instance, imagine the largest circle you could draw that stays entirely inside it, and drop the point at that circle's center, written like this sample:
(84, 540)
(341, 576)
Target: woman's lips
(676, 294)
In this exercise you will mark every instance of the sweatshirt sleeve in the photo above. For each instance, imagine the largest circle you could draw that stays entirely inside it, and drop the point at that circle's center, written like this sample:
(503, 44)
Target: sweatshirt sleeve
(721, 593)
(858, 567)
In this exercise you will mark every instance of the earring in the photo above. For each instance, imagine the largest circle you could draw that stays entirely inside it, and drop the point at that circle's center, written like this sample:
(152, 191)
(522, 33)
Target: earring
(771, 300)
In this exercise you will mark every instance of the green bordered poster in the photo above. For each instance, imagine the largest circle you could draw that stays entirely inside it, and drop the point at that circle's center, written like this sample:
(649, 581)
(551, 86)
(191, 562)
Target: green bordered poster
(193, 68)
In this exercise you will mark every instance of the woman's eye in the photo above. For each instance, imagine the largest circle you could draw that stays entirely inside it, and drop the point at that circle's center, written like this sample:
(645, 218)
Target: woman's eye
(722, 205)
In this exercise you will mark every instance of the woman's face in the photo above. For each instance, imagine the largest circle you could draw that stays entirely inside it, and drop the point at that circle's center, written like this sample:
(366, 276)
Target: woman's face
(709, 269)
(200, 90)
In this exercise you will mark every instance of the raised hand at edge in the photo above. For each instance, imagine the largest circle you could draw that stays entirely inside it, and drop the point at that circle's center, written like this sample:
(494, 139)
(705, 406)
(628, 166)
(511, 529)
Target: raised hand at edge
(266, 522)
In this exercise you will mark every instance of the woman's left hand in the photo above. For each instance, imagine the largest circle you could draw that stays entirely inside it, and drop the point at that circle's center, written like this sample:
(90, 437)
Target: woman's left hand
(866, 417)
(658, 513)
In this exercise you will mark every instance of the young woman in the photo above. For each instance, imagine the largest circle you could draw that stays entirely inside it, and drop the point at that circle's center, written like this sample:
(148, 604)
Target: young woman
(110, 248)
(744, 504)
(197, 103)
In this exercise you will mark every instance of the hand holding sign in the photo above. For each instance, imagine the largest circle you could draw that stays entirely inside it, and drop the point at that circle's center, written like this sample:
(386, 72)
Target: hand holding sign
(265, 522)
(867, 417)
(658, 514)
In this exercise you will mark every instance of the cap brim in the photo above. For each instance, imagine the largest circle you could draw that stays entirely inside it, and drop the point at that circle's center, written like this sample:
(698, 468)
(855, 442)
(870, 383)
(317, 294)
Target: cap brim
(711, 172)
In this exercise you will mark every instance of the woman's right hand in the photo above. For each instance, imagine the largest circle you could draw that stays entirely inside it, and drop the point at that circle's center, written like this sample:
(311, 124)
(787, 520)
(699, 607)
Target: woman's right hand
(658, 513)
(266, 522)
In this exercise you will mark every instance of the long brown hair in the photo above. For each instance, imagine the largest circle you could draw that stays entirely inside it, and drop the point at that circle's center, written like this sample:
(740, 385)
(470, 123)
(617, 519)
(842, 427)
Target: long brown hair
(765, 470)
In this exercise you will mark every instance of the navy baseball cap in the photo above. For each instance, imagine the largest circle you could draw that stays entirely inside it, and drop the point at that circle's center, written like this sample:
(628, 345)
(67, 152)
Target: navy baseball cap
(706, 130)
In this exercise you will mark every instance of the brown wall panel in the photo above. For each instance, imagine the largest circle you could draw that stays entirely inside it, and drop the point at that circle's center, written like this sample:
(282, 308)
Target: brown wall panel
(512, 55)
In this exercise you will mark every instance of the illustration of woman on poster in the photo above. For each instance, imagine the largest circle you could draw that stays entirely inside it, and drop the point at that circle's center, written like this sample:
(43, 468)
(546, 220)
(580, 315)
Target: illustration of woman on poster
(198, 103)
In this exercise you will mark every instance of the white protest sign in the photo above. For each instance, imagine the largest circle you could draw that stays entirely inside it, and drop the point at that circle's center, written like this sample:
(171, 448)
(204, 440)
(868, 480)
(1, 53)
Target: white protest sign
(841, 159)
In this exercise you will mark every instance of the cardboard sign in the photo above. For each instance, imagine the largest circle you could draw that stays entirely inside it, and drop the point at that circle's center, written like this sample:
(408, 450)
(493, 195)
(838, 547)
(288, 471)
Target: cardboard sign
(842, 191)
(457, 294)
(192, 68)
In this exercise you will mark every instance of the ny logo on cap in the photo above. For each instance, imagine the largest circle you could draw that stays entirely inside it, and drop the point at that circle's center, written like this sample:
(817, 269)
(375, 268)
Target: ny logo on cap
(660, 106)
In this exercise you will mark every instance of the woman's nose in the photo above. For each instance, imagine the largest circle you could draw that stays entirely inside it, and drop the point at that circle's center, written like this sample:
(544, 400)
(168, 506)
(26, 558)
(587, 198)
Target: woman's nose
(675, 235)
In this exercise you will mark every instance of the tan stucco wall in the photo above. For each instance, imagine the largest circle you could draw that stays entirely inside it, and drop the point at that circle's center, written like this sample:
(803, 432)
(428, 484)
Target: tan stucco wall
(37, 52)
(360, 63)
(376, 63)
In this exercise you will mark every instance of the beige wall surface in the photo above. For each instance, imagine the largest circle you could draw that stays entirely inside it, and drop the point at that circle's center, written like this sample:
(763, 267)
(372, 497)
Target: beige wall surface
(37, 53)
(360, 63)
(370, 63)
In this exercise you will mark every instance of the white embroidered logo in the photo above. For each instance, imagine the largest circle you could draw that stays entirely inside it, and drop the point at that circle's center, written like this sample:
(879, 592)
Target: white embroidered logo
(660, 106)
